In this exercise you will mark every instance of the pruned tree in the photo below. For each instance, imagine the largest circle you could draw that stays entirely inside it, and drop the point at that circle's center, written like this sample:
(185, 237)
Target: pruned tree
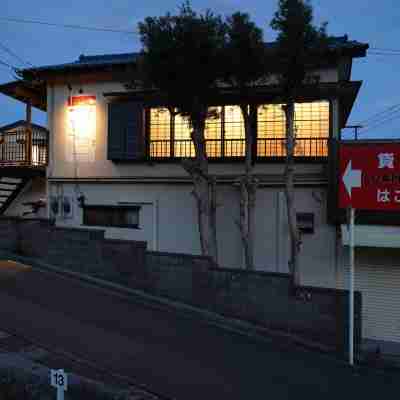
(182, 58)
(298, 41)
(245, 67)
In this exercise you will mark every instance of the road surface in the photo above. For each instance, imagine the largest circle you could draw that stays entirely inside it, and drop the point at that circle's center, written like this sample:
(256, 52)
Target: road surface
(174, 355)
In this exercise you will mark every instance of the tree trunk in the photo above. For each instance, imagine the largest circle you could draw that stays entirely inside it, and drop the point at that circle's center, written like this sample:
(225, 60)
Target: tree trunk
(248, 187)
(295, 241)
(204, 191)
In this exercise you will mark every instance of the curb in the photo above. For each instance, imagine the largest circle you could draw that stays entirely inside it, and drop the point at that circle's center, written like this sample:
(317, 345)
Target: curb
(232, 325)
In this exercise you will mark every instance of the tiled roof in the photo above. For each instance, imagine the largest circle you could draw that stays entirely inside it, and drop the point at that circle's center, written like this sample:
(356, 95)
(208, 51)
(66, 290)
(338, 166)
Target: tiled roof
(336, 43)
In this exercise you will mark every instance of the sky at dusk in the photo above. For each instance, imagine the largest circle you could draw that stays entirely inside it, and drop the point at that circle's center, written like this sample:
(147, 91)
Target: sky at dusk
(374, 22)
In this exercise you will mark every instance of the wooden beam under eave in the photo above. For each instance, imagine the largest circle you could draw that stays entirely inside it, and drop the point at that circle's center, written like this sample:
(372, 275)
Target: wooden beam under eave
(34, 98)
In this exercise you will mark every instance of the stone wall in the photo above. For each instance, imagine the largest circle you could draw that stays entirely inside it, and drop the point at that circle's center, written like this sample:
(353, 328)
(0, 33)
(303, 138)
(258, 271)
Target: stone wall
(266, 299)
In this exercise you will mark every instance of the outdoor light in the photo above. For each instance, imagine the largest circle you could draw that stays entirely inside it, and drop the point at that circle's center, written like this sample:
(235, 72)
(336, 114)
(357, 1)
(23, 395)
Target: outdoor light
(82, 115)
(81, 128)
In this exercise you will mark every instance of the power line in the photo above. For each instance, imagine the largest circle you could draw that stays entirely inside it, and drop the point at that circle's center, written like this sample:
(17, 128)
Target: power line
(7, 65)
(10, 52)
(68, 26)
(376, 53)
(384, 113)
(385, 50)
(383, 122)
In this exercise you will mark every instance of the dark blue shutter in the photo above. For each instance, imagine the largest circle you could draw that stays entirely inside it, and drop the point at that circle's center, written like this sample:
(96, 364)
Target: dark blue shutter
(125, 131)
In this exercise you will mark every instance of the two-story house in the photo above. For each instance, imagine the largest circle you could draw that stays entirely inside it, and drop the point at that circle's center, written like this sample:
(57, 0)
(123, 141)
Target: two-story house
(115, 153)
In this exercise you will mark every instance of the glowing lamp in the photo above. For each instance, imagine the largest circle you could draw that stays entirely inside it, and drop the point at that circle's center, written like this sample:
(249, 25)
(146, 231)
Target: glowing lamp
(81, 127)
(82, 115)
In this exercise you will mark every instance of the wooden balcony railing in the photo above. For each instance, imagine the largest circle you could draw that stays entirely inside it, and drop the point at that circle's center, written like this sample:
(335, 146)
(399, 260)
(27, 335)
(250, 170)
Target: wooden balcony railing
(310, 148)
(23, 147)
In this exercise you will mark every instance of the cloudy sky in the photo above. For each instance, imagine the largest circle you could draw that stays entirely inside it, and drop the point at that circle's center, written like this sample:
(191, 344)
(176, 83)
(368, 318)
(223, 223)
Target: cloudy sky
(375, 22)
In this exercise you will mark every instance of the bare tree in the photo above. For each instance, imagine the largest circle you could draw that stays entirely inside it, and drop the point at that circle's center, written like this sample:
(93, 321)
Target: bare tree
(245, 66)
(182, 57)
(298, 41)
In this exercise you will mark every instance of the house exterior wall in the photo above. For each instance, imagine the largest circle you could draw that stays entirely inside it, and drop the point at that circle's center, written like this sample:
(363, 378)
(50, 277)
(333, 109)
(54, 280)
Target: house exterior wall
(60, 167)
(168, 222)
(168, 217)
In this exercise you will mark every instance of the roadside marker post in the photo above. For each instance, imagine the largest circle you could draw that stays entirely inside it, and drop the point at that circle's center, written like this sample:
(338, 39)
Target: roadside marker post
(59, 380)
(351, 288)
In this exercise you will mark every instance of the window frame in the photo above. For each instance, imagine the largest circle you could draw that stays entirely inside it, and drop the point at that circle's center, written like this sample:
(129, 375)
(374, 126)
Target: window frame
(112, 207)
(232, 158)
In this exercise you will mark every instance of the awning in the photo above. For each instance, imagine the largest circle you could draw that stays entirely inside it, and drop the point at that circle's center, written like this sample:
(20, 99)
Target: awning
(26, 92)
(373, 236)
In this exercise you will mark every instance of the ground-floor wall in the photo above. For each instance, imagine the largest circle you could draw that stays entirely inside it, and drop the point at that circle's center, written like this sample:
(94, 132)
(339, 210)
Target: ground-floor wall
(168, 222)
(34, 191)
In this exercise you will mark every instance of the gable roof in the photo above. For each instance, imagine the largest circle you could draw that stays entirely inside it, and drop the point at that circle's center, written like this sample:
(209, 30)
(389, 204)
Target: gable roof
(337, 44)
(21, 122)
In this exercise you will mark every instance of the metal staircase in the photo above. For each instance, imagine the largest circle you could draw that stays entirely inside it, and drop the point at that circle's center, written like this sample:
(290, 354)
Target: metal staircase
(10, 188)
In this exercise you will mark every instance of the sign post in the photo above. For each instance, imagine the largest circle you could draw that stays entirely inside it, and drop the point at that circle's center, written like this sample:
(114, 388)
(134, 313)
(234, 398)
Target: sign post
(59, 380)
(369, 179)
(351, 289)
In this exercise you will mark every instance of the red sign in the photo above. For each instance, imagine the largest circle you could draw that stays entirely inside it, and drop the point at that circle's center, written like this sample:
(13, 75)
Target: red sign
(369, 176)
(81, 100)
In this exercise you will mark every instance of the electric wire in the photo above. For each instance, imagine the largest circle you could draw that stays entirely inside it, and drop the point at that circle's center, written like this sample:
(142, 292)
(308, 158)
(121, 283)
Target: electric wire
(8, 65)
(13, 54)
(379, 115)
(67, 26)
(380, 123)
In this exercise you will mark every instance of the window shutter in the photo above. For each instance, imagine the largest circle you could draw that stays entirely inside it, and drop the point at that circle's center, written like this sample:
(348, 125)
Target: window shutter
(125, 131)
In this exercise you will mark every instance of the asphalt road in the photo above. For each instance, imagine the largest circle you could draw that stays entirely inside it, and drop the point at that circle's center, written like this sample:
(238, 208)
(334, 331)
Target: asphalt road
(174, 355)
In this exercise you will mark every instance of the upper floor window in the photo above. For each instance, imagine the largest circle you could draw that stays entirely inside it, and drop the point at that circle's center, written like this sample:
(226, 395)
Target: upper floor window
(311, 126)
(169, 135)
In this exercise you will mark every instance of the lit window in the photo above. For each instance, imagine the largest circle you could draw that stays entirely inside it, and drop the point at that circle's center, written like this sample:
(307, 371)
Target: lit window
(160, 133)
(311, 124)
(183, 145)
(213, 133)
(234, 132)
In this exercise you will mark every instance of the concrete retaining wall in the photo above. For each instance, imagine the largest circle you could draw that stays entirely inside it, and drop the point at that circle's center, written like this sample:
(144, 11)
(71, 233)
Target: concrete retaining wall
(318, 314)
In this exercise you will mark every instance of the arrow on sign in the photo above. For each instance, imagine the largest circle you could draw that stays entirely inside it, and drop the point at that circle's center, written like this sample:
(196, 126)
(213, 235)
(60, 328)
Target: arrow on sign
(351, 178)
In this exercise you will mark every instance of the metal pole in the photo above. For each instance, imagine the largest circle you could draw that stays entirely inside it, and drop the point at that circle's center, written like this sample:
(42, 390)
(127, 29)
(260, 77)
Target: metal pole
(60, 393)
(351, 290)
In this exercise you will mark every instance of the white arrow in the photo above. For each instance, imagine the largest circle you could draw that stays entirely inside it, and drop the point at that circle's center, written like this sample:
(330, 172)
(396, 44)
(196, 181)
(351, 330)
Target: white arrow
(351, 178)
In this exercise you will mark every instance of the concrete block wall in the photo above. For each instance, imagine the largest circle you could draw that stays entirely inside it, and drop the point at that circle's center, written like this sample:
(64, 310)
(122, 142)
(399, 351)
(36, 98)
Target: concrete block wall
(264, 298)
(80, 250)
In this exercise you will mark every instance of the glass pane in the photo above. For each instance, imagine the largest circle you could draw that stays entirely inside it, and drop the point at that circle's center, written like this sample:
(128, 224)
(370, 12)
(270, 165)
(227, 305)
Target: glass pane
(183, 146)
(213, 132)
(234, 132)
(160, 132)
(312, 128)
(110, 216)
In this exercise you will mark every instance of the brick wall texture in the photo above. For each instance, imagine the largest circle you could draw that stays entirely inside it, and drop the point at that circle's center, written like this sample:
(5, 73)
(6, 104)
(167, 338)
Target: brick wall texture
(266, 299)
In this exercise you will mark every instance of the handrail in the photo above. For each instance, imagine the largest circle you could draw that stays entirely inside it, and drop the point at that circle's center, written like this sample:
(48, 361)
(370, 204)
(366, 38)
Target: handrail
(235, 148)
(22, 147)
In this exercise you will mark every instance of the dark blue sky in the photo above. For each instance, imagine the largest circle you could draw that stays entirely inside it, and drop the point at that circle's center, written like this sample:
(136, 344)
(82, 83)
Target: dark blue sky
(375, 22)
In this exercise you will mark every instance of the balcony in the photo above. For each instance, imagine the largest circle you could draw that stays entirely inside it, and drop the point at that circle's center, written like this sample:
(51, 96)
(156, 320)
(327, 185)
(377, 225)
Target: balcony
(21, 147)
(312, 149)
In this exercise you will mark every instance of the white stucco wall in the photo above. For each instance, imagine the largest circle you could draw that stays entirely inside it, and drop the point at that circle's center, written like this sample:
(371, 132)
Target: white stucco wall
(168, 222)
(168, 218)
(59, 165)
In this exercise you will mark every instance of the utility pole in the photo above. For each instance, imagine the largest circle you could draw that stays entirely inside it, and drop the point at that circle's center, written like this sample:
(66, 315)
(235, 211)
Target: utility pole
(356, 128)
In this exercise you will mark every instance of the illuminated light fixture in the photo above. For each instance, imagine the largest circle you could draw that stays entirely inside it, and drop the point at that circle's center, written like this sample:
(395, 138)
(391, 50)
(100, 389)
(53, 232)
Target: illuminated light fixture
(81, 127)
